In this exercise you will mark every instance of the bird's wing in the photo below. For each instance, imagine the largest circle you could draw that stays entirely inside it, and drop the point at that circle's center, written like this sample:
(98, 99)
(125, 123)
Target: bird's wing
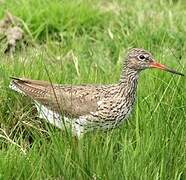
(72, 101)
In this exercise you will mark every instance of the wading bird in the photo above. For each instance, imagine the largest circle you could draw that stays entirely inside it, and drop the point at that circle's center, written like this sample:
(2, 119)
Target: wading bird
(89, 107)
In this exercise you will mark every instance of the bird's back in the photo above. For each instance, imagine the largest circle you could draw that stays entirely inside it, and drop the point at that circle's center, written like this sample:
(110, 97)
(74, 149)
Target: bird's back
(73, 100)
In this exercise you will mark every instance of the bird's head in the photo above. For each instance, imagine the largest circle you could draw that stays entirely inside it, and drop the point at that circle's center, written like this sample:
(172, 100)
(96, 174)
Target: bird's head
(140, 59)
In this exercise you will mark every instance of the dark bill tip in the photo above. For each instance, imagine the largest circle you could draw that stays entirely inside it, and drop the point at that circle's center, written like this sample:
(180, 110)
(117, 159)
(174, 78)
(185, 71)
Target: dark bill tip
(173, 71)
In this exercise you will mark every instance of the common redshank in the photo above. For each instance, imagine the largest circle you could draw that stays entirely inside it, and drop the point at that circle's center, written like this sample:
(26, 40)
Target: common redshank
(89, 107)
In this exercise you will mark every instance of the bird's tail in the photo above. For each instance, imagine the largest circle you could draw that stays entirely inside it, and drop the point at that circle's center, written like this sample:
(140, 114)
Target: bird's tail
(14, 85)
(28, 87)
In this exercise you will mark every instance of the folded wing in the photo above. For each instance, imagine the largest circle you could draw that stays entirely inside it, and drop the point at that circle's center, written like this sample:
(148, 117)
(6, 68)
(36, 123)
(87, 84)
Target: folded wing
(73, 101)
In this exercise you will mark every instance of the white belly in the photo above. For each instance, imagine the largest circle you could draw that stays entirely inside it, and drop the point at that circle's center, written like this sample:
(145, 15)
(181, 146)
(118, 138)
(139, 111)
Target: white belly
(60, 121)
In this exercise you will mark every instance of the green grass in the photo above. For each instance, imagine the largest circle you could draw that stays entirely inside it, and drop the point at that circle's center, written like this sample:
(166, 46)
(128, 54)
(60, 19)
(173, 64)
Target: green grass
(84, 42)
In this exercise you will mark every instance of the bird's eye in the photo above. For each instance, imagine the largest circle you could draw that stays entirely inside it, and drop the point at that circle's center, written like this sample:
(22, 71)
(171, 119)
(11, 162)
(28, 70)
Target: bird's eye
(141, 57)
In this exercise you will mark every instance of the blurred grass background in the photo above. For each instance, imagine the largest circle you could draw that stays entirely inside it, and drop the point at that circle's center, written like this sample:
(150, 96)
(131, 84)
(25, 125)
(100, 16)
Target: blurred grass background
(85, 41)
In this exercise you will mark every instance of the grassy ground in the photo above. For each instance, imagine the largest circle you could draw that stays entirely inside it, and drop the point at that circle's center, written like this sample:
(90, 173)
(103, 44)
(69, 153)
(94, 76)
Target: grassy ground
(84, 42)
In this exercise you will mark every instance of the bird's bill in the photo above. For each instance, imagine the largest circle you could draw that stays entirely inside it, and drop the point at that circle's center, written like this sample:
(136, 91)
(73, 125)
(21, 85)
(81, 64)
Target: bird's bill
(157, 65)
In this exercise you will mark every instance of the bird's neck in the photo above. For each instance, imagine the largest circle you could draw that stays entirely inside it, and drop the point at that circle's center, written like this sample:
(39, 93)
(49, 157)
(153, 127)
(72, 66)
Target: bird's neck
(128, 81)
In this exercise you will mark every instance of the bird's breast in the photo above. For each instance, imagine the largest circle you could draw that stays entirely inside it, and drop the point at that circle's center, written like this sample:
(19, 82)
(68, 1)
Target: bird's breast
(115, 109)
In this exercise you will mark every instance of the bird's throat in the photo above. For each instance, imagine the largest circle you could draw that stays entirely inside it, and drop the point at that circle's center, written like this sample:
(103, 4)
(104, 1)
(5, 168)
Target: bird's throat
(128, 81)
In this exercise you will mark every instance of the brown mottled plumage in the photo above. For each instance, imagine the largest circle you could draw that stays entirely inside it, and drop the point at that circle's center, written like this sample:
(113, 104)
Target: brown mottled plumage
(89, 107)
